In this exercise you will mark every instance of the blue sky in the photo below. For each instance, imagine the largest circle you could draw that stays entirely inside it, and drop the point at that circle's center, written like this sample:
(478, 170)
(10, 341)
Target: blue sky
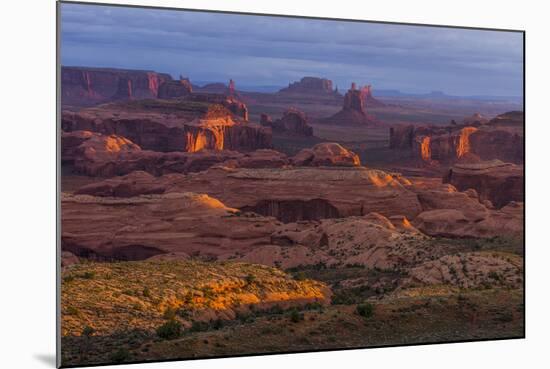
(262, 50)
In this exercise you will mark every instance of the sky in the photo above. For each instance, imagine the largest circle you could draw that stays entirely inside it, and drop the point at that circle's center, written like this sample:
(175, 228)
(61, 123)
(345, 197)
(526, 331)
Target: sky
(273, 51)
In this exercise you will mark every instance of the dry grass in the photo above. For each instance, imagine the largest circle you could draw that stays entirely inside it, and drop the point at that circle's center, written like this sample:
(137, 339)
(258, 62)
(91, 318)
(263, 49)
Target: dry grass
(137, 295)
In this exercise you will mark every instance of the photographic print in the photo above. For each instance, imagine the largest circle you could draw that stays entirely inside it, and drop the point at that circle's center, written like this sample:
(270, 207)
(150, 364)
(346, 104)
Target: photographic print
(240, 184)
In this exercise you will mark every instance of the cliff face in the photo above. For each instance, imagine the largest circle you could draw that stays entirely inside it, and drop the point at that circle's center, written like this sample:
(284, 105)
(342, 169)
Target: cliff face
(493, 180)
(501, 138)
(172, 89)
(310, 85)
(292, 122)
(88, 86)
(151, 133)
(231, 103)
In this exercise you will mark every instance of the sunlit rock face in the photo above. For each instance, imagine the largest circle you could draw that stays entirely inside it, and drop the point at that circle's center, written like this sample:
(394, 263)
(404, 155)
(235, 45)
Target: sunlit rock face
(210, 126)
(88, 86)
(500, 138)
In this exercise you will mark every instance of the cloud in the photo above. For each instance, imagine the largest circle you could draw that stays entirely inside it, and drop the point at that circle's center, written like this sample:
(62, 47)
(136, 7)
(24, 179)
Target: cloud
(266, 50)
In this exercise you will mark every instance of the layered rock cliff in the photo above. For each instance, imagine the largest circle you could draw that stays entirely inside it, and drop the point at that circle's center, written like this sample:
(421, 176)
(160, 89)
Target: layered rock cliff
(500, 138)
(89, 86)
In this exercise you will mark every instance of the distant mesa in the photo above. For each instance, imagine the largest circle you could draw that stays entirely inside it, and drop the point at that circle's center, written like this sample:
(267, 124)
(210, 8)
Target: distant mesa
(292, 122)
(310, 85)
(174, 89)
(90, 86)
(219, 88)
(354, 111)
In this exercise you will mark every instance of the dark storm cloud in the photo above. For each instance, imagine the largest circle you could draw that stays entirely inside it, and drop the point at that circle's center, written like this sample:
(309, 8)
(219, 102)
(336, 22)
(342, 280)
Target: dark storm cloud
(257, 50)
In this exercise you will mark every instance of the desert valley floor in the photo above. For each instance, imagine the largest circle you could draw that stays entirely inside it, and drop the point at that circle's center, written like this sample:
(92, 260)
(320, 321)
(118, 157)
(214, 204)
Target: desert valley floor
(202, 221)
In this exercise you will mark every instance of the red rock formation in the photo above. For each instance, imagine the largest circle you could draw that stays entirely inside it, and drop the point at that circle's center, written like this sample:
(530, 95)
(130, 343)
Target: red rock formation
(354, 112)
(232, 103)
(94, 154)
(500, 138)
(475, 120)
(331, 192)
(266, 120)
(494, 180)
(172, 89)
(326, 154)
(293, 122)
(369, 99)
(310, 85)
(83, 86)
(171, 126)
(449, 213)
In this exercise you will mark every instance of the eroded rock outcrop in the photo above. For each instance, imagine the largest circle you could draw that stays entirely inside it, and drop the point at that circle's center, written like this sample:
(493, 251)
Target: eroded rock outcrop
(354, 110)
(493, 180)
(293, 122)
(326, 154)
(450, 213)
(500, 138)
(293, 194)
(469, 270)
(174, 89)
(95, 154)
(171, 125)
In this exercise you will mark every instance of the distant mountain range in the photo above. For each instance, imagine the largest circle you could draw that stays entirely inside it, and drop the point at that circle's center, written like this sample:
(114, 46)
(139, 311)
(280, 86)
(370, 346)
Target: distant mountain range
(382, 93)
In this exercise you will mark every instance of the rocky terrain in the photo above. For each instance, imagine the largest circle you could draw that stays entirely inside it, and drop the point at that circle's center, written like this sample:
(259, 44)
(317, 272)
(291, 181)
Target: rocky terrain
(195, 217)
(494, 180)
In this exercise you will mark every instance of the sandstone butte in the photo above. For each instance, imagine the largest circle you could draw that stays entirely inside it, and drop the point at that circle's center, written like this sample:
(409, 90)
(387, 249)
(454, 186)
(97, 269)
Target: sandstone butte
(354, 110)
(310, 86)
(109, 297)
(499, 138)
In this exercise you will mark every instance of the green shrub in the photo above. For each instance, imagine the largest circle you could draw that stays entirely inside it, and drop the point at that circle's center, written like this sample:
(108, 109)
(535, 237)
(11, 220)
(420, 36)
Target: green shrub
(169, 313)
(88, 331)
(88, 275)
(250, 279)
(120, 355)
(365, 310)
(198, 326)
(296, 316)
(146, 292)
(169, 330)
